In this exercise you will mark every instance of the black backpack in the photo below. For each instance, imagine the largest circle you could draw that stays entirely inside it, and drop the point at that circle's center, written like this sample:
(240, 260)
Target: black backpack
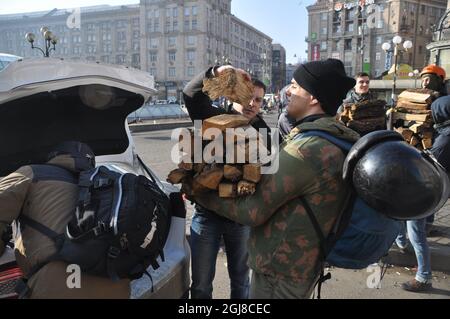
(119, 228)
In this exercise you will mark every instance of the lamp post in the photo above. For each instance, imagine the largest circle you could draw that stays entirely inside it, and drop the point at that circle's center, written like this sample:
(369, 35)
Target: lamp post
(397, 40)
(49, 38)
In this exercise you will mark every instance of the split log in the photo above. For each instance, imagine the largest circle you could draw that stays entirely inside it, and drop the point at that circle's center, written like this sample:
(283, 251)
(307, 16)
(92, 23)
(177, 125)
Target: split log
(210, 177)
(414, 141)
(176, 176)
(427, 143)
(245, 188)
(412, 117)
(232, 173)
(186, 166)
(406, 133)
(416, 97)
(406, 104)
(252, 173)
(227, 190)
(365, 126)
(224, 121)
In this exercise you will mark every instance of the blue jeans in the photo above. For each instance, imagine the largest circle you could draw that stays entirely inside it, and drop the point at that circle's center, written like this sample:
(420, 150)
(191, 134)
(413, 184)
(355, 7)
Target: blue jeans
(207, 230)
(418, 238)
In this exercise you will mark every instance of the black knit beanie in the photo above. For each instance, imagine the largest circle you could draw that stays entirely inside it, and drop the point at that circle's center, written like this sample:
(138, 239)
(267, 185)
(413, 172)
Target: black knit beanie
(326, 81)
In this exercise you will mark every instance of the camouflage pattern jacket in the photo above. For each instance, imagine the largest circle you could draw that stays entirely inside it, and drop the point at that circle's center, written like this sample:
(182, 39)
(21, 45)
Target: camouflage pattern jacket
(283, 243)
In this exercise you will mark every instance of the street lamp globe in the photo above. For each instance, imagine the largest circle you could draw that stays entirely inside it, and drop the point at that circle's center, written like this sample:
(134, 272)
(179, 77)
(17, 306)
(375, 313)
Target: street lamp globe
(48, 35)
(397, 39)
(408, 45)
(386, 46)
(43, 30)
(411, 74)
(416, 72)
(30, 37)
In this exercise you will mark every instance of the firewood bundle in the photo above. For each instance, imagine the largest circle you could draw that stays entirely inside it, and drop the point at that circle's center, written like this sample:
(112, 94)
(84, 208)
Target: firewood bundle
(229, 179)
(412, 117)
(365, 117)
(231, 85)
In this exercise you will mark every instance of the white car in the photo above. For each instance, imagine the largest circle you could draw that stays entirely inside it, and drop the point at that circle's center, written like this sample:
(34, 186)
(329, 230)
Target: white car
(46, 101)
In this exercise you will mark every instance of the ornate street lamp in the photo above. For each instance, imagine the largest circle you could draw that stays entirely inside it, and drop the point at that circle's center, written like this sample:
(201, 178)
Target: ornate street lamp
(397, 40)
(49, 38)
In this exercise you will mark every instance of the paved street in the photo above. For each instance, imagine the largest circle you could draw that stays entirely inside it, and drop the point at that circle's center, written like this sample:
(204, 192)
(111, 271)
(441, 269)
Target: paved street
(155, 147)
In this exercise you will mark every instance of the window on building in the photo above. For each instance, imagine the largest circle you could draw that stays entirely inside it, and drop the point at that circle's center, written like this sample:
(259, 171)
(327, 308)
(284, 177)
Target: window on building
(154, 43)
(136, 46)
(174, 12)
(350, 14)
(187, 11)
(121, 36)
(337, 28)
(349, 27)
(420, 49)
(194, 10)
(172, 56)
(152, 71)
(379, 40)
(194, 24)
(136, 59)
(323, 45)
(335, 45)
(190, 71)
(191, 39)
(172, 72)
(156, 26)
(172, 41)
(324, 16)
(136, 22)
(348, 44)
(104, 58)
(190, 55)
(378, 56)
(175, 26)
(168, 12)
(153, 57)
(120, 59)
(422, 9)
(323, 31)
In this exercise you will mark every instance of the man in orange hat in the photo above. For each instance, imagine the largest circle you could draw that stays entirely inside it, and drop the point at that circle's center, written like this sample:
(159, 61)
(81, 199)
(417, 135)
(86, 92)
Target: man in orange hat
(433, 78)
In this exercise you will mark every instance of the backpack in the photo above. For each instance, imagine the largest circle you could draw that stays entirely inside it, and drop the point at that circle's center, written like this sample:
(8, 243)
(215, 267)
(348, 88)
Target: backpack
(118, 229)
(361, 236)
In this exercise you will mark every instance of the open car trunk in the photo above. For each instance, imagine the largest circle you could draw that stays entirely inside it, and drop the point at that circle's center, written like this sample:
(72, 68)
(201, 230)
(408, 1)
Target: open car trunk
(78, 104)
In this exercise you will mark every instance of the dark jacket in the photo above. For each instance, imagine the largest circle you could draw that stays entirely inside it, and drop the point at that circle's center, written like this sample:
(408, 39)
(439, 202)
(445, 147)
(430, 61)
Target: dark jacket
(441, 146)
(353, 97)
(200, 107)
(48, 194)
(285, 125)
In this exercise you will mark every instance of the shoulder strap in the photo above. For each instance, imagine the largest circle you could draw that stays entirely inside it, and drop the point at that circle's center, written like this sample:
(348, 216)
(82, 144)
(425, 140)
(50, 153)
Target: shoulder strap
(342, 144)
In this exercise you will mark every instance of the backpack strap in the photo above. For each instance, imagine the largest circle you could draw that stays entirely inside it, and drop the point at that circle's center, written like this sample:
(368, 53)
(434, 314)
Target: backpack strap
(22, 287)
(345, 146)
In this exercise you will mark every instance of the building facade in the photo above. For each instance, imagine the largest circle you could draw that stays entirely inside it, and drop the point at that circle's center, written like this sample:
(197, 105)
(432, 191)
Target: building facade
(278, 67)
(172, 40)
(341, 30)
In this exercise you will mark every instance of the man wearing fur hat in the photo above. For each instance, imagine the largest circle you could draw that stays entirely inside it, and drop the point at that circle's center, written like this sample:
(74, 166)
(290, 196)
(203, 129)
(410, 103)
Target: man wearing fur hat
(284, 249)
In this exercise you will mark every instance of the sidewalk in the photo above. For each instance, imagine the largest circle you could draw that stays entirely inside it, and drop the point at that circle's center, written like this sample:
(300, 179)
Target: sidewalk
(157, 125)
(439, 242)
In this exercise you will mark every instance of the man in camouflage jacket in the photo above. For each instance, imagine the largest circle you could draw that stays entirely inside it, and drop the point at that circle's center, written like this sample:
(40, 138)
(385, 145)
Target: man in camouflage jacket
(284, 251)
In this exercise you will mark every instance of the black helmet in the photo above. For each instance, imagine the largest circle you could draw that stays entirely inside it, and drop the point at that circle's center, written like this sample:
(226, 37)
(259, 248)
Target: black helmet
(82, 154)
(395, 178)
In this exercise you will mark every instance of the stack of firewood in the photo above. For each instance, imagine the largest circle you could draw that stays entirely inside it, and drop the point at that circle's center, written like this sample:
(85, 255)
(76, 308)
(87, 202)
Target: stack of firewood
(412, 117)
(365, 117)
(228, 178)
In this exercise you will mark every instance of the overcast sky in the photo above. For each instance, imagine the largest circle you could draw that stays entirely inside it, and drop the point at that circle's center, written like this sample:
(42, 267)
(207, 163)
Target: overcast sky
(286, 21)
